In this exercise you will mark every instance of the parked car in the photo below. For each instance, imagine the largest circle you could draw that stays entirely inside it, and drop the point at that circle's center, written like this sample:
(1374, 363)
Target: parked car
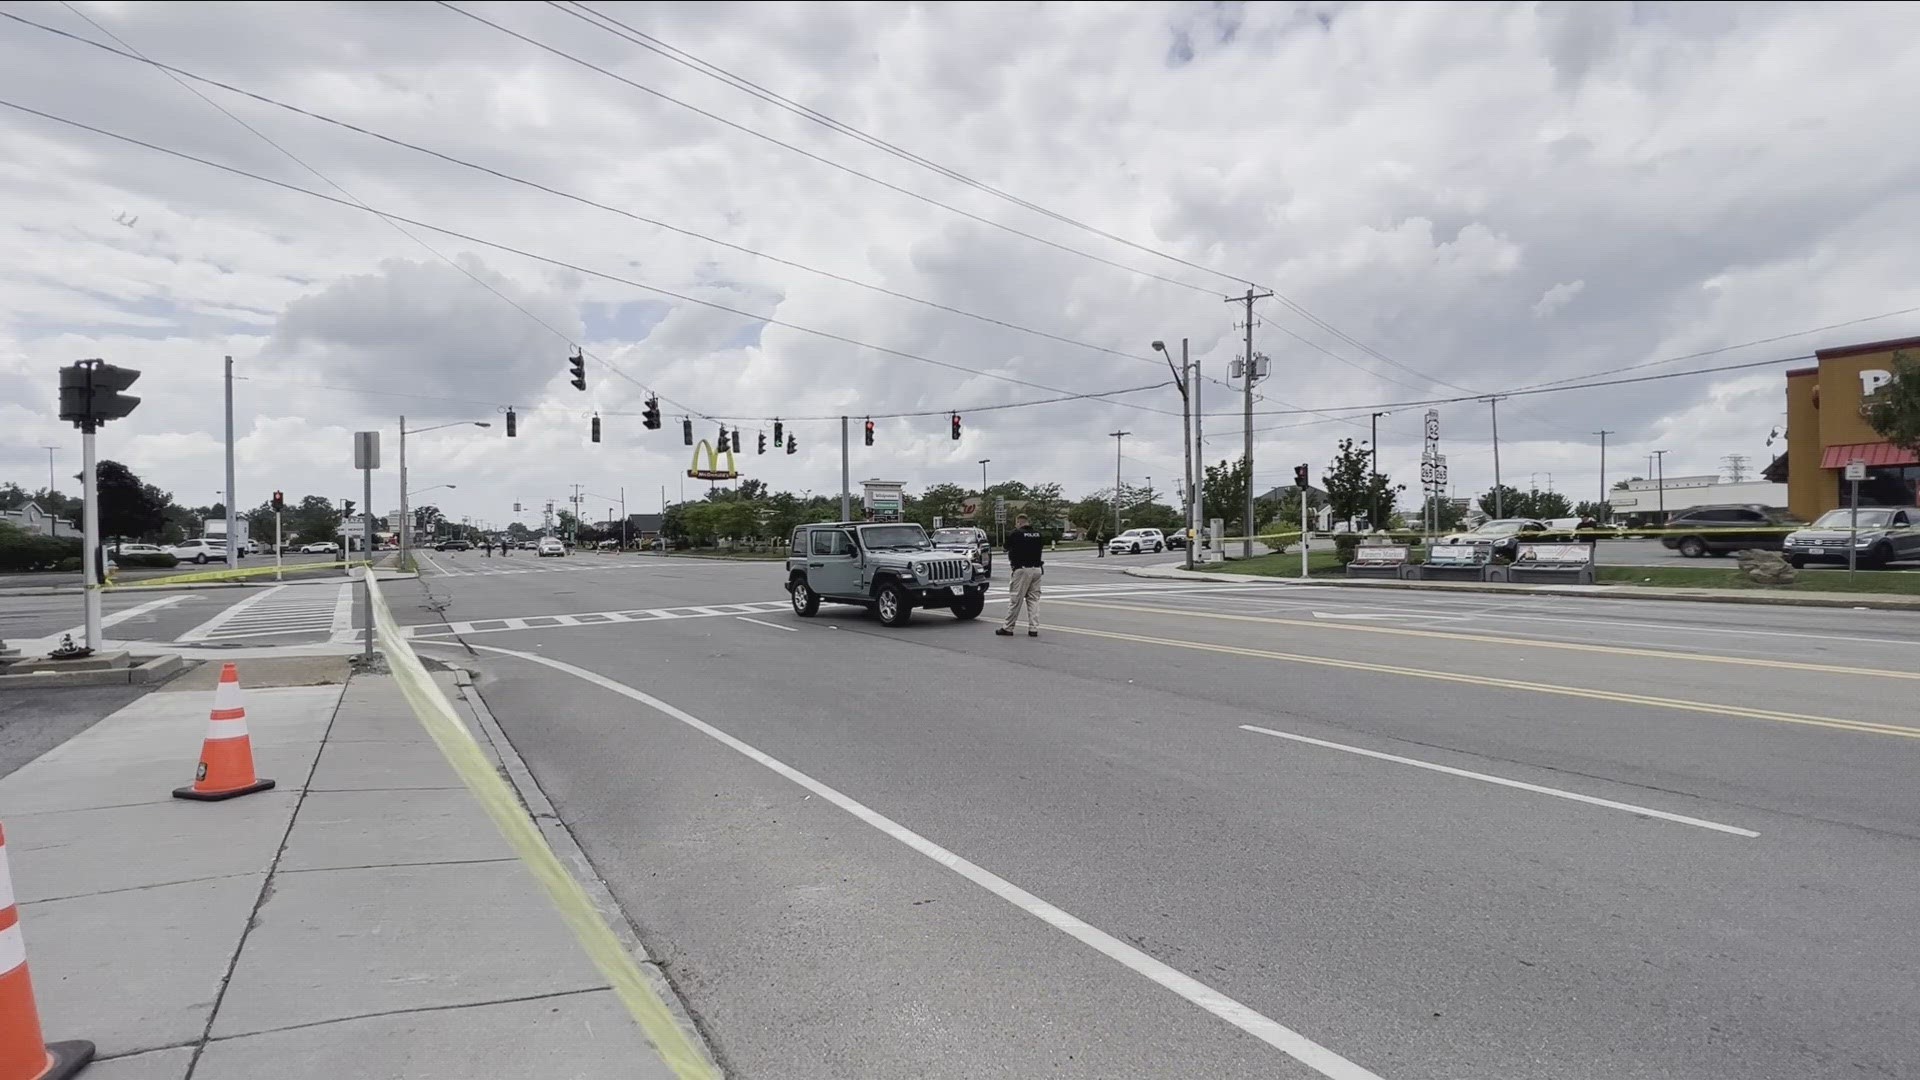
(891, 567)
(550, 546)
(1135, 541)
(453, 544)
(200, 550)
(1717, 530)
(139, 549)
(323, 547)
(1886, 535)
(1177, 540)
(1503, 535)
(967, 538)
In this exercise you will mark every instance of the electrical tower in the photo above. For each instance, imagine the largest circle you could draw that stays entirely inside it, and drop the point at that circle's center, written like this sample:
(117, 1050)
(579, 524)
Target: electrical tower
(1736, 467)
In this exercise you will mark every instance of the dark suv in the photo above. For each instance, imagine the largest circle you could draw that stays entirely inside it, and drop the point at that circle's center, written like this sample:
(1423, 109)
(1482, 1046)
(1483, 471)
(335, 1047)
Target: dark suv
(1718, 530)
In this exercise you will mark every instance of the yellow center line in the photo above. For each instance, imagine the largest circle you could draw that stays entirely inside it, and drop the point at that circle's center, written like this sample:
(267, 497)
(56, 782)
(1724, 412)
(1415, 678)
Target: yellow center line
(1511, 684)
(1496, 639)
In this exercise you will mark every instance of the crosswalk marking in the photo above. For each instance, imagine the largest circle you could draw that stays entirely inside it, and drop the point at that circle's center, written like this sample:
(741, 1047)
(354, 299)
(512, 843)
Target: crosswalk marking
(444, 570)
(280, 610)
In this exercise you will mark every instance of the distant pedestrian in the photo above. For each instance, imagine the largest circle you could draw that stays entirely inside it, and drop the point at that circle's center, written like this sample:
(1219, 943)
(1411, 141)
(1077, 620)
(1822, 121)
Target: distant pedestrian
(486, 548)
(1024, 546)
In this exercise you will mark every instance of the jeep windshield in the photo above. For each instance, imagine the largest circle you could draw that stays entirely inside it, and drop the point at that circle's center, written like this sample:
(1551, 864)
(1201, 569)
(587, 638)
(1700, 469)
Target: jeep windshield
(894, 538)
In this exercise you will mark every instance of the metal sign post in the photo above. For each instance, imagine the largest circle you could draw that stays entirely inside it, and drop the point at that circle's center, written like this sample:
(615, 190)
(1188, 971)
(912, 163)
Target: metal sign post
(1303, 534)
(277, 545)
(366, 458)
(1856, 472)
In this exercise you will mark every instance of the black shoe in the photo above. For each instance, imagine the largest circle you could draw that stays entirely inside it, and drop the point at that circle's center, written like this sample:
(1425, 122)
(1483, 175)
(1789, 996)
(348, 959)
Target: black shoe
(1033, 633)
(1003, 632)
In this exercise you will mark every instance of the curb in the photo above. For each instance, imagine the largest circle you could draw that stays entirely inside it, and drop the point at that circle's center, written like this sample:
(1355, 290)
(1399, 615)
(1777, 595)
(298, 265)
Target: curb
(1866, 601)
(560, 838)
(152, 671)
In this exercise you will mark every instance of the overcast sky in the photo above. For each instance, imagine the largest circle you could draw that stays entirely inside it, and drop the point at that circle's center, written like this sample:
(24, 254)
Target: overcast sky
(1483, 196)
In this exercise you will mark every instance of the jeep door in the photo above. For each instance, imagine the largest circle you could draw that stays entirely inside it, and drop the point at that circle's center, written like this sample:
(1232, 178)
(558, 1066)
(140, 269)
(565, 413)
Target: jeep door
(833, 564)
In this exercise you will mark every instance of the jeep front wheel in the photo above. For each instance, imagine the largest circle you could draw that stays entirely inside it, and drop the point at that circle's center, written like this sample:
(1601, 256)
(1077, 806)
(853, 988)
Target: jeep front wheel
(892, 606)
(971, 605)
(806, 602)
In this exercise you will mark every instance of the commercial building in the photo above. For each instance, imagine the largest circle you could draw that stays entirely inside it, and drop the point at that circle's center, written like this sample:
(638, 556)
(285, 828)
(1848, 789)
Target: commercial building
(1650, 502)
(1825, 430)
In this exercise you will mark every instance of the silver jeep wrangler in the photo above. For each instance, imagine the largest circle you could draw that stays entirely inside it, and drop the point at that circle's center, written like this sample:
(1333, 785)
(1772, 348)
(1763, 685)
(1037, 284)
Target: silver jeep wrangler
(890, 567)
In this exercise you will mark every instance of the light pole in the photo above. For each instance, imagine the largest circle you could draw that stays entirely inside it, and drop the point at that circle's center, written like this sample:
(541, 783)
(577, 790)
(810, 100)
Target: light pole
(406, 523)
(1660, 485)
(1493, 410)
(53, 518)
(1118, 436)
(1605, 510)
(1373, 481)
(980, 514)
(1181, 377)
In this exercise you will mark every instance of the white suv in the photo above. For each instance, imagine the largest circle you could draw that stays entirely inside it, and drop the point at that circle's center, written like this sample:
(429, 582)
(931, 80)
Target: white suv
(200, 550)
(1135, 541)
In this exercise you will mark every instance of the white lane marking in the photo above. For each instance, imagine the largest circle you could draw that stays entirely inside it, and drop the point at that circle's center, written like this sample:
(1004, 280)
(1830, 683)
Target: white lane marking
(1504, 782)
(200, 633)
(342, 621)
(775, 626)
(35, 646)
(432, 563)
(1381, 615)
(1267, 1030)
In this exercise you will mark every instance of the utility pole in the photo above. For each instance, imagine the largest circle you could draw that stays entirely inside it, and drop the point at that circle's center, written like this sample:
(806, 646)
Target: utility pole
(1605, 510)
(54, 519)
(1660, 463)
(1252, 368)
(623, 517)
(1183, 379)
(233, 516)
(1117, 437)
(846, 484)
(406, 521)
(1199, 457)
(1493, 408)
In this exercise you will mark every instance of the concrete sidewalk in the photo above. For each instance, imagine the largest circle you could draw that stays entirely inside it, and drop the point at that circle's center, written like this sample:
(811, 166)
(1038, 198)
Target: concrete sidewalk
(1783, 598)
(364, 919)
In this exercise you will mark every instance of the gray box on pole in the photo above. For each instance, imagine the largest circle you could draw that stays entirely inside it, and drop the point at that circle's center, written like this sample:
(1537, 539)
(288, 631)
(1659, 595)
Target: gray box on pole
(366, 450)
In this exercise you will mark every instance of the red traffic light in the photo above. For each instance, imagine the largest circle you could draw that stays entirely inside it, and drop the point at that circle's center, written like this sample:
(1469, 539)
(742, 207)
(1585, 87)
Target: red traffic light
(956, 425)
(869, 433)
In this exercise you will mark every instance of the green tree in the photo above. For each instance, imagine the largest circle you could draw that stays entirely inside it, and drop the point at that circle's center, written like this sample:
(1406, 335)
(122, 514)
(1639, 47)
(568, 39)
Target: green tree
(1225, 493)
(1093, 515)
(1046, 507)
(1346, 482)
(127, 506)
(943, 501)
(13, 496)
(1894, 410)
(1548, 504)
(1511, 502)
(1621, 485)
(1452, 514)
(1598, 511)
(753, 490)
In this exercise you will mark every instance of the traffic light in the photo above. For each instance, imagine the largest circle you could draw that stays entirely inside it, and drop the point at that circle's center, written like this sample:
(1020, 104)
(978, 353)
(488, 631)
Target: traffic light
(869, 433)
(793, 445)
(720, 445)
(956, 425)
(686, 431)
(346, 508)
(279, 502)
(90, 393)
(777, 440)
(1300, 477)
(763, 442)
(596, 427)
(650, 418)
(578, 364)
(512, 430)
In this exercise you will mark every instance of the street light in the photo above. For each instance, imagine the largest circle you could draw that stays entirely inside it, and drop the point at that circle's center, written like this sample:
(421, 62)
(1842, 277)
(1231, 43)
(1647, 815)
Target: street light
(1181, 378)
(405, 521)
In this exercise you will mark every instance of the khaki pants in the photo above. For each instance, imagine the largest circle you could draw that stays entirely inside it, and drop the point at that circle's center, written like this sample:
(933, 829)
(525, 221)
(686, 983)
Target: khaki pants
(1023, 591)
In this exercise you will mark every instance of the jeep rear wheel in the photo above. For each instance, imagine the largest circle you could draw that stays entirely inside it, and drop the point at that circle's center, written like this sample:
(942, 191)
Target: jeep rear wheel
(806, 602)
(890, 603)
(971, 605)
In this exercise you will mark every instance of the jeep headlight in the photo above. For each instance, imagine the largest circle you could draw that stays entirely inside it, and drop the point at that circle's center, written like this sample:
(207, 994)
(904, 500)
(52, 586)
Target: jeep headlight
(917, 569)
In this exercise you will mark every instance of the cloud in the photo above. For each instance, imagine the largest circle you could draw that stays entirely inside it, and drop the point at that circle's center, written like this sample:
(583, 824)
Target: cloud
(1556, 298)
(1440, 182)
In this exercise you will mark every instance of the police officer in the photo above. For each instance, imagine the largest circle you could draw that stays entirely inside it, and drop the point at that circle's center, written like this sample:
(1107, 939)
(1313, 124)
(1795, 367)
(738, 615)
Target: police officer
(1024, 546)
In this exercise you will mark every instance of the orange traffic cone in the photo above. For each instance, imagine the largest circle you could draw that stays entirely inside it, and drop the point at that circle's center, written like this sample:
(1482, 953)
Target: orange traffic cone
(23, 1056)
(226, 758)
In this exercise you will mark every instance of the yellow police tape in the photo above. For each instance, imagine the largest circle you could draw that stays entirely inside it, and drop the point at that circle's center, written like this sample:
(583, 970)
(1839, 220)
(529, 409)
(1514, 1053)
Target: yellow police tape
(436, 714)
(227, 575)
(1546, 535)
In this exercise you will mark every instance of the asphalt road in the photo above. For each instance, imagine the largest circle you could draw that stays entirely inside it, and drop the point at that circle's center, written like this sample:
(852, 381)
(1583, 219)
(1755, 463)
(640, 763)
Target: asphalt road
(1200, 830)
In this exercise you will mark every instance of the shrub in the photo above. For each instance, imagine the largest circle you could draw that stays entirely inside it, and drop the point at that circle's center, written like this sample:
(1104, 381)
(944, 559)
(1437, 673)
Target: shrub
(1344, 545)
(68, 565)
(157, 560)
(22, 550)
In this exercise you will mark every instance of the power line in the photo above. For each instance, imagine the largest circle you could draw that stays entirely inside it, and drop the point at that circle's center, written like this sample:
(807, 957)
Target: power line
(612, 26)
(562, 53)
(575, 267)
(180, 73)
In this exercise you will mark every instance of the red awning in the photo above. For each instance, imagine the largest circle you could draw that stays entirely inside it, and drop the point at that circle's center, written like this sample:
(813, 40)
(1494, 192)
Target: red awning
(1873, 453)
